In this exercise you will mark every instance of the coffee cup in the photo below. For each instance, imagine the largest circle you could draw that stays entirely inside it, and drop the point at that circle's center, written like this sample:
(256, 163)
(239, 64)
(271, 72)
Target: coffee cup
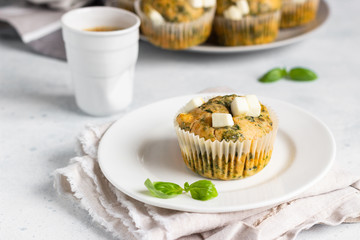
(102, 49)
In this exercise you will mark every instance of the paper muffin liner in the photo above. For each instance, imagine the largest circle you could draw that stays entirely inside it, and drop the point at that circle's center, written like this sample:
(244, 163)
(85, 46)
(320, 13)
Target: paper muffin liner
(226, 160)
(250, 30)
(176, 36)
(124, 4)
(295, 13)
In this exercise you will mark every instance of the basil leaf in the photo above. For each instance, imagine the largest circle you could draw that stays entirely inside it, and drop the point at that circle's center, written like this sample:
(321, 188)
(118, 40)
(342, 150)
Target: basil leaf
(203, 190)
(163, 189)
(168, 188)
(273, 75)
(302, 74)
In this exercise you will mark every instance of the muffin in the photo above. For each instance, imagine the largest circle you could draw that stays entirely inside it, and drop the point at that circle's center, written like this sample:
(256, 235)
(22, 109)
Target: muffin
(124, 4)
(227, 137)
(298, 12)
(176, 24)
(246, 22)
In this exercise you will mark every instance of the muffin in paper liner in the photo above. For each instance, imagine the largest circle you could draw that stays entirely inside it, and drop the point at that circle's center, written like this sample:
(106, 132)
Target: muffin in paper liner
(250, 30)
(176, 35)
(298, 12)
(226, 160)
(124, 4)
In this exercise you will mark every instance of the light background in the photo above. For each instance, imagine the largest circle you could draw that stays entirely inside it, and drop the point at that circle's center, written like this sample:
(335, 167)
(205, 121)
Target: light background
(39, 120)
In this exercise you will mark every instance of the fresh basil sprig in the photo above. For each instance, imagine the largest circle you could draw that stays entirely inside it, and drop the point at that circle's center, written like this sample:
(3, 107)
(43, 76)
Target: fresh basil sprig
(296, 74)
(274, 75)
(302, 74)
(200, 190)
(163, 189)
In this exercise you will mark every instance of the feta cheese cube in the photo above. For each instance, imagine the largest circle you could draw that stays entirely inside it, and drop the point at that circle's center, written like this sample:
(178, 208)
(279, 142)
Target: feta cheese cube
(197, 3)
(254, 106)
(244, 6)
(193, 103)
(233, 13)
(156, 17)
(222, 120)
(239, 106)
(209, 3)
(299, 1)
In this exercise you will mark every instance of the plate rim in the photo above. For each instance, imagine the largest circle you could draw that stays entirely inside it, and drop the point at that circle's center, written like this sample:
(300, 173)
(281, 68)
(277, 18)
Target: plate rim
(164, 204)
(213, 49)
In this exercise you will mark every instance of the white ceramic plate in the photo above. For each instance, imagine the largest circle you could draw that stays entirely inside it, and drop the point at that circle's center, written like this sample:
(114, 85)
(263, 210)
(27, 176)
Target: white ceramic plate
(285, 37)
(143, 145)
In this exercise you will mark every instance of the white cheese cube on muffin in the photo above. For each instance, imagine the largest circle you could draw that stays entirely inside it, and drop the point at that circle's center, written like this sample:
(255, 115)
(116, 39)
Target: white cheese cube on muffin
(254, 106)
(209, 3)
(239, 106)
(299, 1)
(156, 17)
(193, 103)
(244, 6)
(233, 13)
(222, 120)
(196, 3)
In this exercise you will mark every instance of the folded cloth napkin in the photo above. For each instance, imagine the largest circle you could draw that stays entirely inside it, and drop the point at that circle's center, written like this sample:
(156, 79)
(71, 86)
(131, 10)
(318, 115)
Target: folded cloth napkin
(38, 24)
(333, 200)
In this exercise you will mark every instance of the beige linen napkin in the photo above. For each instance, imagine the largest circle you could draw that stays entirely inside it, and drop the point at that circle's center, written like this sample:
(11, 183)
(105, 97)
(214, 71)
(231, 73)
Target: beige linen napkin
(333, 200)
(38, 24)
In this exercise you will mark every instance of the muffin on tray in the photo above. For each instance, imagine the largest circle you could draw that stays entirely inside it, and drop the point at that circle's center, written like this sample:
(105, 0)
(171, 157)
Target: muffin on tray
(176, 24)
(227, 137)
(298, 12)
(246, 22)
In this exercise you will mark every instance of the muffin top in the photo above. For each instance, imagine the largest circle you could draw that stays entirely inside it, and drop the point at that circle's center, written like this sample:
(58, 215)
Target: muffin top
(175, 10)
(236, 9)
(243, 125)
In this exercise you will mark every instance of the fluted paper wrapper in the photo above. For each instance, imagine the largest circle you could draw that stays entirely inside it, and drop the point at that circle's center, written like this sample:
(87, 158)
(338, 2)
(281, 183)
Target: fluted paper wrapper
(250, 30)
(176, 36)
(295, 13)
(226, 160)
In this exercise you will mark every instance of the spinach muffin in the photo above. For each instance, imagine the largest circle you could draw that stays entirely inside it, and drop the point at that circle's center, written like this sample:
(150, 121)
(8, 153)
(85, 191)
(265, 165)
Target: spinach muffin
(176, 24)
(298, 12)
(247, 22)
(238, 149)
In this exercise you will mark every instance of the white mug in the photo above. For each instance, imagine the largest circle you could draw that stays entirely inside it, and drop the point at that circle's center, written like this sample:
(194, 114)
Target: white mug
(101, 63)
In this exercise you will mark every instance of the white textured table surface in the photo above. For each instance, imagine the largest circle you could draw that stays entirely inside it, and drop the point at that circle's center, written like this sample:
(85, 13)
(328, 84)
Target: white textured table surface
(40, 121)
